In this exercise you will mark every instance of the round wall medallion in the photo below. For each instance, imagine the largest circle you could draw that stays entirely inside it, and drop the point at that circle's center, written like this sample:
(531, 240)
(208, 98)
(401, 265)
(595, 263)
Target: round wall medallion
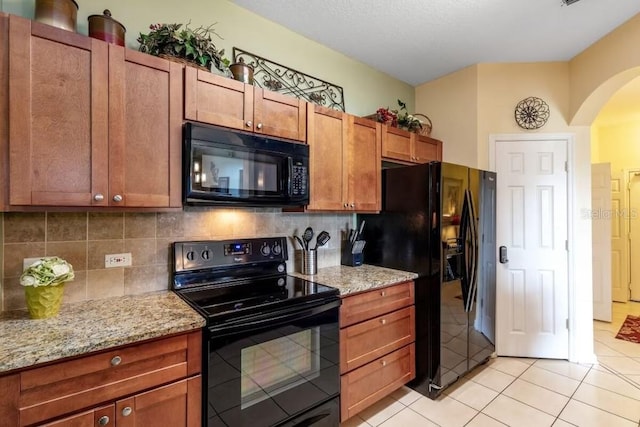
(532, 113)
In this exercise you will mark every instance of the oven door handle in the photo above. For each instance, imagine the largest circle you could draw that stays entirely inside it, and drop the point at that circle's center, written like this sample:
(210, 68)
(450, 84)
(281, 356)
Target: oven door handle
(269, 320)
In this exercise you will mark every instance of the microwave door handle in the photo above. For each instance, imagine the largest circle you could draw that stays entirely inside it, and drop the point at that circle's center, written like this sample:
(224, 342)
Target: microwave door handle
(289, 175)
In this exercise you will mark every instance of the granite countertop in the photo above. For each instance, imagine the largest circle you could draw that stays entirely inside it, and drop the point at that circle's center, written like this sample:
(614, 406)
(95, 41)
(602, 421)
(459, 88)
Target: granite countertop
(350, 280)
(89, 326)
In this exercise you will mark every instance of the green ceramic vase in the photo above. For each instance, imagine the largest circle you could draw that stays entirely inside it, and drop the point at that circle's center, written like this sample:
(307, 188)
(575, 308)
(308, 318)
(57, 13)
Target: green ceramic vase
(44, 301)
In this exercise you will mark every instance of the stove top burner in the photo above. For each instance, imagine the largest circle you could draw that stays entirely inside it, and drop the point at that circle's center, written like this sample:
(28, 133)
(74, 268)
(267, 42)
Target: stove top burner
(254, 295)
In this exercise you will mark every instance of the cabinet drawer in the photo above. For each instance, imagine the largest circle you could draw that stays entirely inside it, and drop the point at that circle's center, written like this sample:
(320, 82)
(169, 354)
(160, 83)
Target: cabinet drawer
(367, 305)
(65, 387)
(369, 340)
(366, 385)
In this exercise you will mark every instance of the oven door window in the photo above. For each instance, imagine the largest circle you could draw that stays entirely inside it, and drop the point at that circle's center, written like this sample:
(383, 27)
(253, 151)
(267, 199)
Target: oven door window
(234, 172)
(266, 377)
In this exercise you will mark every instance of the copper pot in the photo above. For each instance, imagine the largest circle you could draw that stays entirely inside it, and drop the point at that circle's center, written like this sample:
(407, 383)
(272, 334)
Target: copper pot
(242, 72)
(104, 27)
(58, 13)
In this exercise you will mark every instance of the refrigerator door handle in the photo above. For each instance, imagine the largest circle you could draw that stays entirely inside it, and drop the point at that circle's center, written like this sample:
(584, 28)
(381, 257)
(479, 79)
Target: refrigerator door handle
(473, 267)
(465, 254)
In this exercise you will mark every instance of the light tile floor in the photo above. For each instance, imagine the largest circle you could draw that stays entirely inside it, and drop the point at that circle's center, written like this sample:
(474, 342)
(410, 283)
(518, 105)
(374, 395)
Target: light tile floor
(529, 392)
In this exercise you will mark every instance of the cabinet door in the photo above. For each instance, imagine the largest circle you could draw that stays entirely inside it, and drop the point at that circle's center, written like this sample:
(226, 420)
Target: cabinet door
(58, 105)
(279, 115)
(145, 130)
(327, 159)
(396, 144)
(175, 405)
(427, 149)
(4, 110)
(217, 100)
(104, 416)
(364, 171)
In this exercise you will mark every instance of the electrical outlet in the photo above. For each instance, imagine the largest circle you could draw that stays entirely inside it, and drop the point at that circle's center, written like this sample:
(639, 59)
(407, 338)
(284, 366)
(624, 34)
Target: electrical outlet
(117, 260)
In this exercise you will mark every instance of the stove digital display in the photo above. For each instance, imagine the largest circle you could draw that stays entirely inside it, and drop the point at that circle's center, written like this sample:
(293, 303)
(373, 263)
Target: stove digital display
(237, 249)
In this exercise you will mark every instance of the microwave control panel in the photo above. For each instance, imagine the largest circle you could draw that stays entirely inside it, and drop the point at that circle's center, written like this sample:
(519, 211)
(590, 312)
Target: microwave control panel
(299, 180)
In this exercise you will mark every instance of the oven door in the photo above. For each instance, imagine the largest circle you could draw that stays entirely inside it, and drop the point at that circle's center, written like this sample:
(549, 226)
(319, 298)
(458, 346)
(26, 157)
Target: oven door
(280, 370)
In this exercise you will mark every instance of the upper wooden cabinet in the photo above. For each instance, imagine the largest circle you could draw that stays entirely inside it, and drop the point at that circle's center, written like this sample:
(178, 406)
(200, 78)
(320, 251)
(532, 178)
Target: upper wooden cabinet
(90, 124)
(345, 163)
(221, 101)
(398, 144)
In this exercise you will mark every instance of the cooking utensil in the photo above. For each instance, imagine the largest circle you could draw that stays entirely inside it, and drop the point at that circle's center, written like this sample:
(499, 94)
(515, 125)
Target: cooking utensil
(322, 239)
(300, 242)
(360, 230)
(307, 236)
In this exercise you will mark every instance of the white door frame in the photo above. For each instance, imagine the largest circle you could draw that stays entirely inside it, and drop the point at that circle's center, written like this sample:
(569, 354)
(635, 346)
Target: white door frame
(570, 140)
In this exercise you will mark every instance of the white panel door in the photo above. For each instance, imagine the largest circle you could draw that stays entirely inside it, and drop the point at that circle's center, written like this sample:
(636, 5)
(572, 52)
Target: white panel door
(634, 235)
(601, 218)
(532, 286)
(619, 239)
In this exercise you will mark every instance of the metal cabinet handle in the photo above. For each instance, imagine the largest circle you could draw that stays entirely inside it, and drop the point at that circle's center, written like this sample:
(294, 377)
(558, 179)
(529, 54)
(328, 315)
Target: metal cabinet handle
(249, 124)
(126, 411)
(383, 293)
(259, 126)
(117, 198)
(98, 197)
(346, 205)
(103, 420)
(116, 360)
(383, 321)
(384, 363)
(353, 205)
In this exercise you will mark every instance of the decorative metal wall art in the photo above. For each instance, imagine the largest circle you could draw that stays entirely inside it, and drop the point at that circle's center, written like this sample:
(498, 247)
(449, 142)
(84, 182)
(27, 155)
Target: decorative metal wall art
(532, 113)
(280, 78)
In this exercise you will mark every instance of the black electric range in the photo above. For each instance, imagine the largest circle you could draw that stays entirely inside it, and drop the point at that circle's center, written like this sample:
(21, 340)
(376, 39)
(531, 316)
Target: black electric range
(271, 343)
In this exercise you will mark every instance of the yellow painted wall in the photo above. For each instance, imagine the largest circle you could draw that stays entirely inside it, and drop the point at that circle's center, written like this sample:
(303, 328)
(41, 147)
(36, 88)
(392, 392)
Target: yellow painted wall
(365, 89)
(602, 69)
(618, 144)
(502, 86)
(452, 105)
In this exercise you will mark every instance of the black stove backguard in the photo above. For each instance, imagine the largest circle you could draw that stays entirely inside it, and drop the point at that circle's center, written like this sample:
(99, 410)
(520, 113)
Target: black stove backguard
(271, 344)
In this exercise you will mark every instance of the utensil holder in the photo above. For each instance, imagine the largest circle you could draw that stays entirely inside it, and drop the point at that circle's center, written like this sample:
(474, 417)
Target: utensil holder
(351, 253)
(309, 262)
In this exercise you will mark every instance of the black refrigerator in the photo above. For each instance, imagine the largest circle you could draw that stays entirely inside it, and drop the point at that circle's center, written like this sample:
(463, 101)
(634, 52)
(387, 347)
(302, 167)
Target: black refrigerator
(438, 220)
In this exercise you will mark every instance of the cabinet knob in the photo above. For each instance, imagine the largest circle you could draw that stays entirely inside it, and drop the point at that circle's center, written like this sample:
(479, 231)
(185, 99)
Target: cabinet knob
(103, 420)
(117, 198)
(383, 293)
(126, 411)
(259, 126)
(346, 205)
(384, 363)
(249, 124)
(352, 205)
(383, 321)
(98, 197)
(116, 360)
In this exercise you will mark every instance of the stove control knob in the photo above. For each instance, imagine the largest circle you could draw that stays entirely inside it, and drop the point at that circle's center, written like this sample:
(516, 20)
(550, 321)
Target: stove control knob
(281, 268)
(191, 255)
(277, 249)
(206, 254)
(265, 249)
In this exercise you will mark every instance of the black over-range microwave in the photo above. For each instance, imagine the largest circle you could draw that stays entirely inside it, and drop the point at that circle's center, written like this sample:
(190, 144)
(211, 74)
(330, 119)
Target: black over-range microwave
(233, 168)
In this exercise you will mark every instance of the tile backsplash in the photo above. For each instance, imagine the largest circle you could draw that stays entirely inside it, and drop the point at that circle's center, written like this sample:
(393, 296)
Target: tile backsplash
(84, 238)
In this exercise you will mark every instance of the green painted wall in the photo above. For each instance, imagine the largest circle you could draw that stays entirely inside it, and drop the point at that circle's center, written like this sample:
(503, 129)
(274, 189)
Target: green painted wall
(365, 89)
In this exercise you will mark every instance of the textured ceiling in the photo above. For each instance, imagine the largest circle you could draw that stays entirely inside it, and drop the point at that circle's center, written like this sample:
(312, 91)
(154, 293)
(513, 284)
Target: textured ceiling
(419, 40)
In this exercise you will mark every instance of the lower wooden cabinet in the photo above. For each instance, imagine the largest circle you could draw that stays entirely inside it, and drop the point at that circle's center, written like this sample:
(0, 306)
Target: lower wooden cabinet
(377, 350)
(366, 385)
(152, 383)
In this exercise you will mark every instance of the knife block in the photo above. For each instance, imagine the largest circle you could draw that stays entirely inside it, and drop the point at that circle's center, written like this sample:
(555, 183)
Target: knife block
(351, 254)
